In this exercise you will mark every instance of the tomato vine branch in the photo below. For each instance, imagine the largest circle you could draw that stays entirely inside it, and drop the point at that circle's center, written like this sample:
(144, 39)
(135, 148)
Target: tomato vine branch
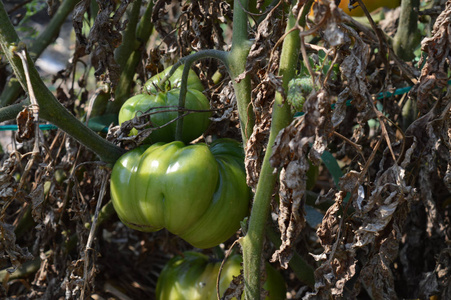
(129, 56)
(252, 243)
(50, 108)
(12, 89)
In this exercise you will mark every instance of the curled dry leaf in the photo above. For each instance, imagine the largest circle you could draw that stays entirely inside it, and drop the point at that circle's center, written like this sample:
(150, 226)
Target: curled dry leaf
(26, 125)
(329, 229)
(11, 255)
(227, 99)
(104, 37)
(261, 63)
(339, 256)
(353, 70)
(432, 146)
(290, 156)
(377, 211)
(37, 200)
(235, 289)
(382, 216)
(376, 275)
(434, 75)
(8, 185)
(268, 32)
(198, 25)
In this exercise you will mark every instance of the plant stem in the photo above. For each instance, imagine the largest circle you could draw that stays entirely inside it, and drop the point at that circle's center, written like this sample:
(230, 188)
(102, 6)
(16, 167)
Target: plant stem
(50, 109)
(10, 112)
(13, 89)
(252, 243)
(407, 37)
(237, 64)
(129, 55)
(129, 42)
(187, 61)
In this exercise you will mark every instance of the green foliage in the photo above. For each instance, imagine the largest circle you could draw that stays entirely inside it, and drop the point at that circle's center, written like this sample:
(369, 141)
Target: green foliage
(298, 90)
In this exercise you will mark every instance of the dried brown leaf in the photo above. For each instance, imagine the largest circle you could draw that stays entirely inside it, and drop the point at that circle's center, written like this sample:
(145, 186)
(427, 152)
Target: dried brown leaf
(37, 200)
(376, 274)
(354, 73)
(290, 155)
(235, 289)
(329, 229)
(26, 125)
(104, 37)
(10, 252)
(268, 33)
(434, 75)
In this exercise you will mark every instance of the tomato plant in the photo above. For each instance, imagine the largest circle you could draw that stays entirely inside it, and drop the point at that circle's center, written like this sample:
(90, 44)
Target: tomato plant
(351, 73)
(193, 276)
(197, 192)
(161, 101)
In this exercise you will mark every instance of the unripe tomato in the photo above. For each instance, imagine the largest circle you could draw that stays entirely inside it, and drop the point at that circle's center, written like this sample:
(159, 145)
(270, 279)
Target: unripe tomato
(197, 192)
(192, 276)
(194, 124)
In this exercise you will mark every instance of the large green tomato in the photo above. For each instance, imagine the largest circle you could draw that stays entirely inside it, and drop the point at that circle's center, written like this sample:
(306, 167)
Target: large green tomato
(194, 124)
(197, 192)
(193, 277)
(175, 81)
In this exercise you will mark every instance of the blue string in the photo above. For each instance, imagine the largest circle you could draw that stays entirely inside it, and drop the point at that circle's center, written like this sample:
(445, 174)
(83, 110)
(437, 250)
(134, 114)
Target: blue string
(15, 127)
(41, 126)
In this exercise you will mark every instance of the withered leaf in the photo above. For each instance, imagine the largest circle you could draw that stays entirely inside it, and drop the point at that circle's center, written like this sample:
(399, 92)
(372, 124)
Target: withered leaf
(26, 125)
(10, 252)
(37, 199)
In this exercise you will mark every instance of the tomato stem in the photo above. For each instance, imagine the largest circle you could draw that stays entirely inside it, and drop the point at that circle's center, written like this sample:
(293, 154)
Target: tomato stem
(37, 46)
(129, 54)
(237, 61)
(281, 117)
(408, 35)
(50, 108)
(187, 61)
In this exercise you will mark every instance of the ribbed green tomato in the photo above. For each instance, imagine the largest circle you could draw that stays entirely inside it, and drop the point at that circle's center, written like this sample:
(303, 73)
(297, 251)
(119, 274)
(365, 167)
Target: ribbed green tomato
(152, 86)
(194, 124)
(193, 277)
(197, 192)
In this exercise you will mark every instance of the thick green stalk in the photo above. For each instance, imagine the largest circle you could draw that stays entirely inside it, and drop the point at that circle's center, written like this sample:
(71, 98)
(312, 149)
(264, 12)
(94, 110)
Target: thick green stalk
(129, 54)
(407, 37)
(237, 63)
(49, 107)
(252, 243)
(10, 112)
(13, 88)
(129, 42)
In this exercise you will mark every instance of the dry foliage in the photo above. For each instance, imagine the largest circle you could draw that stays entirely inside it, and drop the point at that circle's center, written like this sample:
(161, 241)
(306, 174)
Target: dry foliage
(385, 228)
